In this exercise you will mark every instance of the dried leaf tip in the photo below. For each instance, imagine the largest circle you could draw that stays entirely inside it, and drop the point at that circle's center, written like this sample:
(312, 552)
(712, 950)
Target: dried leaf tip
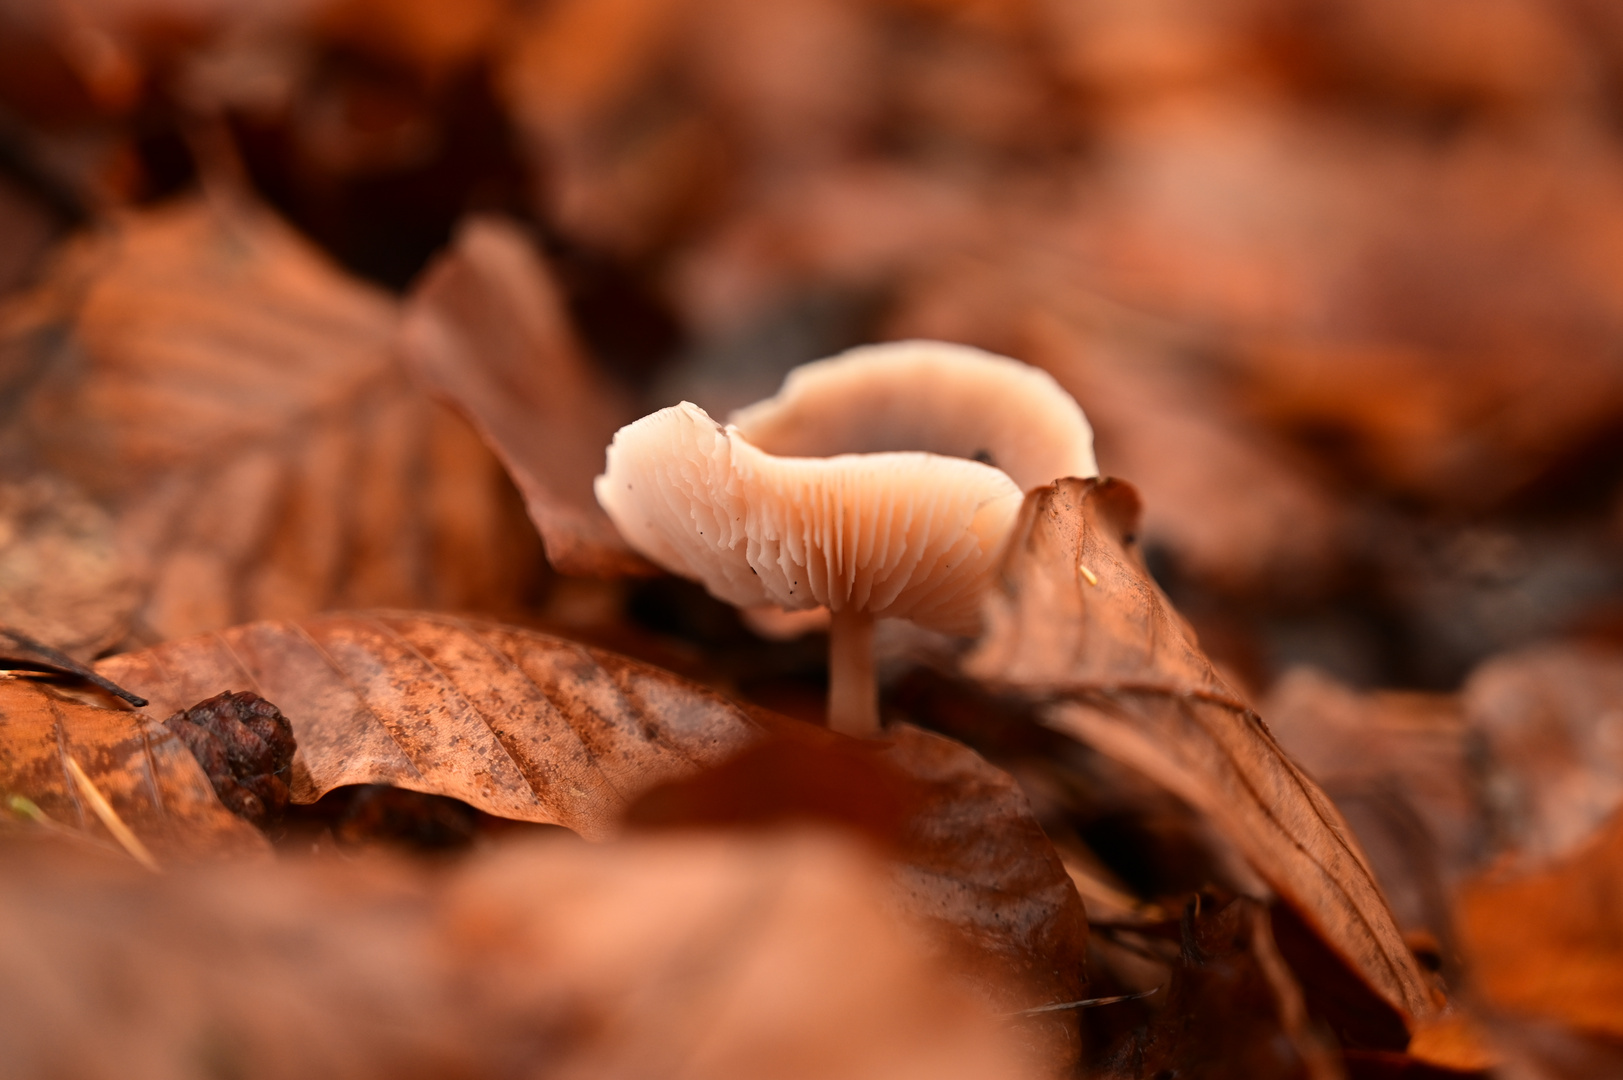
(882, 482)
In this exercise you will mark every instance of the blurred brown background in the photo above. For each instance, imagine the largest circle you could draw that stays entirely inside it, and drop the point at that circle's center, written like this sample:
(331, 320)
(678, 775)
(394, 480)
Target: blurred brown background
(1339, 282)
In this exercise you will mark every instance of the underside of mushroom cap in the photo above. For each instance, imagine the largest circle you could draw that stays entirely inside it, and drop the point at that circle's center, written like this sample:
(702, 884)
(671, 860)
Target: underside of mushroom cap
(905, 534)
(933, 396)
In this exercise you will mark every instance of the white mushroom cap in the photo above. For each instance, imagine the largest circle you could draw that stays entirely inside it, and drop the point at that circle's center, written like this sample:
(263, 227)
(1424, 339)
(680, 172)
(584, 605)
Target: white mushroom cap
(933, 396)
(851, 488)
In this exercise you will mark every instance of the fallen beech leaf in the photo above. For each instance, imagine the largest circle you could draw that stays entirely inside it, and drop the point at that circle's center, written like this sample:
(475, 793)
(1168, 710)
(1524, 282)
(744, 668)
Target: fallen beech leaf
(966, 855)
(714, 956)
(536, 728)
(486, 329)
(233, 400)
(1549, 719)
(736, 919)
(1550, 943)
(975, 861)
(516, 723)
(148, 778)
(1123, 674)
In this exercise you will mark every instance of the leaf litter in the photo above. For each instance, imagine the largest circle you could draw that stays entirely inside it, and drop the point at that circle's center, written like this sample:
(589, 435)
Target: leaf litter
(1336, 286)
(534, 728)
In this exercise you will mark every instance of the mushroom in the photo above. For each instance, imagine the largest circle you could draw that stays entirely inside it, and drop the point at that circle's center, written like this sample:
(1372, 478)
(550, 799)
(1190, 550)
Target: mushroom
(879, 483)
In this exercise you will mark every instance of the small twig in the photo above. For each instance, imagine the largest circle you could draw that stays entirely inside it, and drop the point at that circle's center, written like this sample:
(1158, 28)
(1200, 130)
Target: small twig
(109, 817)
(37, 656)
(1085, 1003)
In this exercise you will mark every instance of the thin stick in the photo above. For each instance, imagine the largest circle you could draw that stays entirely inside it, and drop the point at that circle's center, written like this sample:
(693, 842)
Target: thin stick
(853, 695)
(109, 817)
(1089, 1003)
(31, 655)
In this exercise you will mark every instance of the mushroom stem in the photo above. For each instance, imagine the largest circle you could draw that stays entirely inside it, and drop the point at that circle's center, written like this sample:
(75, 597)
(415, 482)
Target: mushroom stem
(853, 695)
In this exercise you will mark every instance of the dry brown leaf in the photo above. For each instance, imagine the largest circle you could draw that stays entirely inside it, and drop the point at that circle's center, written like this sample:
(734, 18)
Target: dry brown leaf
(536, 728)
(147, 777)
(1549, 720)
(516, 723)
(1547, 944)
(1076, 619)
(233, 399)
(977, 861)
(661, 957)
(977, 866)
(967, 857)
(487, 329)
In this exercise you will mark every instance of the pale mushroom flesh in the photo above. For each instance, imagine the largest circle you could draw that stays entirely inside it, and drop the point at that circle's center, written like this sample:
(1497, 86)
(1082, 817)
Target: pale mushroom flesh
(856, 488)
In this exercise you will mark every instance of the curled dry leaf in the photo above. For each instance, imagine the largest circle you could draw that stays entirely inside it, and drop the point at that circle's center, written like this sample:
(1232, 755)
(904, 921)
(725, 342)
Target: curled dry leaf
(75, 763)
(672, 957)
(518, 724)
(233, 399)
(487, 330)
(1077, 620)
